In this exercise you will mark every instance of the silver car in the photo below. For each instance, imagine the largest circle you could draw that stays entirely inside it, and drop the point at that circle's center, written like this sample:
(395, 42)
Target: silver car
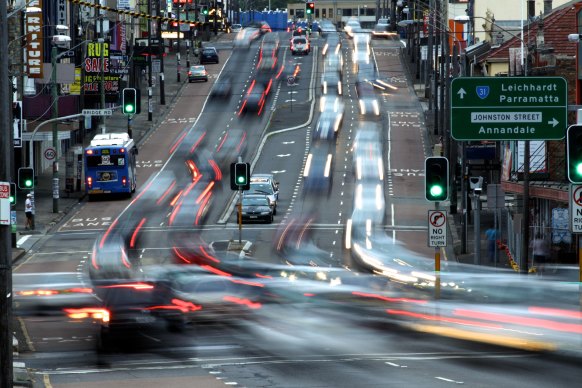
(265, 184)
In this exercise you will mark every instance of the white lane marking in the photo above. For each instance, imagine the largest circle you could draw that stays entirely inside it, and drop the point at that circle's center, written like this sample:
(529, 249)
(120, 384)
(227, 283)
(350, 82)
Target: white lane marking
(22, 240)
(396, 365)
(449, 380)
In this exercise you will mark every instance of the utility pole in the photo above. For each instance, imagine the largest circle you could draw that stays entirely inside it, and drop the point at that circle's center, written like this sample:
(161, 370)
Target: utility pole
(6, 359)
(102, 85)
(178, 52)
(161, 51)
(150, 80)
(188, 40)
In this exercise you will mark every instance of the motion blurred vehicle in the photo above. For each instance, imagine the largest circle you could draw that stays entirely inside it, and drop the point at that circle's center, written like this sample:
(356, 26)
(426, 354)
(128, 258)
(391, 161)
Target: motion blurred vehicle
(367, 100)
(256, 207)
(130, 306)
(351, 27)
(299, 45)
(331, 83)
(334, 63)
(192, 204)
(222, 88)
(317, 174)
(328, 125)
(369, 165)
(232, 144)
(48, 293)
(362, 43)
(368, 134)
(109, 258)
(331, 103)
(209, 55)
(236, 28)
(382, 29)
(369, 204)
(332, 44)
(208, 297)
(197, 73)
(246, 36)
(255, 97)
(265, 184)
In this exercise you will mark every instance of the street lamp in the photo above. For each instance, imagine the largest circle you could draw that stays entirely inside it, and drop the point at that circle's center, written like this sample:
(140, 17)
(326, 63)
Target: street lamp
(57, 41)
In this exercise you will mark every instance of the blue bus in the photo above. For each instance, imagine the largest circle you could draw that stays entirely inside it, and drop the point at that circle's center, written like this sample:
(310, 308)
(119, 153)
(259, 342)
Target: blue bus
(110, 165)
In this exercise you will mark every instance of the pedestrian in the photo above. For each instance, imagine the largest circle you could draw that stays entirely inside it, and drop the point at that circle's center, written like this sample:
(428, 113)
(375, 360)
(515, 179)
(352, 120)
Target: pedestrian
(491, 235)
(29, 212)
(540, 250)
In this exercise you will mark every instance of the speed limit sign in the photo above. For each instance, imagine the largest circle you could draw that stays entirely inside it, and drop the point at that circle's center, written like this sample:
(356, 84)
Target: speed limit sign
(50, 153)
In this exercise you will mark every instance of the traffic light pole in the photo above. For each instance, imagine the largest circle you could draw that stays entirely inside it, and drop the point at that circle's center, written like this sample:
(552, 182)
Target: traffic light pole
(240, 194)
(6, 358)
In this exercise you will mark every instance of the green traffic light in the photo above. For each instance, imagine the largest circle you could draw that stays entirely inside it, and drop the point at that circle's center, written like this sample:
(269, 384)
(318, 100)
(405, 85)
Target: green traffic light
(28, 183)
(436, 191)
(579, 169)
(12, 199)
(129, 108)
(241, 180)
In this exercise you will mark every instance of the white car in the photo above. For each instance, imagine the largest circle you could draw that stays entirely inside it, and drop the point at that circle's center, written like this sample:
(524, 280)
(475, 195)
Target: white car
(300, 45)
(235, 28)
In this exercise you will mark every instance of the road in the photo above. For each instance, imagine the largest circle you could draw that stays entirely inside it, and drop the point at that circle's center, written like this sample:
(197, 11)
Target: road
(283, 345)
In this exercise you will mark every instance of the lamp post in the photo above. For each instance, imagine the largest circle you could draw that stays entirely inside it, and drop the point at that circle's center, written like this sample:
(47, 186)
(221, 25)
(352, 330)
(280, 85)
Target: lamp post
(56, 41)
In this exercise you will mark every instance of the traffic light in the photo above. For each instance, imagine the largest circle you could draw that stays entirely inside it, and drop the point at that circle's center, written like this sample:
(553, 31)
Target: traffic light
(240, 176)
(12, 196)
(131, 101)
(436, 178)
(25, 178)
(205, 11)
(310, 8)
(574, 153)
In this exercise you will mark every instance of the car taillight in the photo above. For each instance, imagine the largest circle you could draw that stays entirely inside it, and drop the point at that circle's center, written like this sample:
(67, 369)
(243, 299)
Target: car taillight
(189, 73)
(124, 181)
(89, 181)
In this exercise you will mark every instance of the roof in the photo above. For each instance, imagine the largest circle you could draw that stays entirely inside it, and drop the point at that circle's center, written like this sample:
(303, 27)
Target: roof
(556, 27)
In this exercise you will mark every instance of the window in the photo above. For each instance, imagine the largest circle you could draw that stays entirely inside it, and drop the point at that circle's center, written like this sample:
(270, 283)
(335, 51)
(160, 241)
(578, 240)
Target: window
(317, 13)
(291, 12)
(323, 13)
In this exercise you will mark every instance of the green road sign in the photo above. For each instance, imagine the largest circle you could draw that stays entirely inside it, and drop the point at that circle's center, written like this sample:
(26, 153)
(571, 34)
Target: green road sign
(509, 108)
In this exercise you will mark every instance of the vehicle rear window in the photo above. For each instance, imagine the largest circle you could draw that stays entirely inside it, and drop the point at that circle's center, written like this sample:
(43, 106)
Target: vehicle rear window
(300, 41)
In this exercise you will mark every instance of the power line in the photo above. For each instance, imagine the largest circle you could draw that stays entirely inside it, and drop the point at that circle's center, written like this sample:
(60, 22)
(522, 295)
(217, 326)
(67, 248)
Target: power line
(131, 13)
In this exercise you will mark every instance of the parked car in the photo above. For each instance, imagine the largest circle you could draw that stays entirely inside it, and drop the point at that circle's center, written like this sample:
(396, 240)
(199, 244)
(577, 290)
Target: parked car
(235, 28)
(197, 73)
(209, 55)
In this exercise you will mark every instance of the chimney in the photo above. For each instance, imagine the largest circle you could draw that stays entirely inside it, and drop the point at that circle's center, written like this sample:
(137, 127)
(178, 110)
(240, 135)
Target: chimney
(531, 9)
(547, 6)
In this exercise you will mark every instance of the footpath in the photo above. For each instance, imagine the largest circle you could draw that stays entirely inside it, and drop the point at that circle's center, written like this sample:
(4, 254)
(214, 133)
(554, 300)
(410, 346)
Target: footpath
(454, 244)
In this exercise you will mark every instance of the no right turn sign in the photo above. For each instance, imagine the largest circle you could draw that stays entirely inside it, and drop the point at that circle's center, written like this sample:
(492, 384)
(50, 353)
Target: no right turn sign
(437, 228)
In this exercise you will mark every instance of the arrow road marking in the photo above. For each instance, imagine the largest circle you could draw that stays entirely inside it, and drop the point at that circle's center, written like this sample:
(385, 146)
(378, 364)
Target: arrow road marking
(554, 122)
(278, 171)
(283, 155)
(288, 142)
(461, 93)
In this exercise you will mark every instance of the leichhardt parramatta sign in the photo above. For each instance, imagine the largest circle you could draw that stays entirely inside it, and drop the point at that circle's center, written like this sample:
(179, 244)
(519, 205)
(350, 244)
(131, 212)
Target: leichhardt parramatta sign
(509, 108)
